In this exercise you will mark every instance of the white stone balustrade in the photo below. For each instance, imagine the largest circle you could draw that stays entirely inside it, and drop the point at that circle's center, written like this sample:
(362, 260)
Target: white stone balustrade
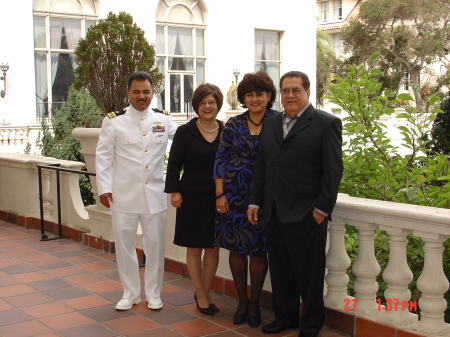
(432, 225)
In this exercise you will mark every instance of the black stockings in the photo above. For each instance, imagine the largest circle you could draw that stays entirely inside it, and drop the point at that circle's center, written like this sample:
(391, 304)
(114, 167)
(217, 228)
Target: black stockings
(258, 271)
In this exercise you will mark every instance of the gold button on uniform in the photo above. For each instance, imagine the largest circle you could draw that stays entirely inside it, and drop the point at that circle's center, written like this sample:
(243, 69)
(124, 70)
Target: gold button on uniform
(146, 166)
(146, 182)
(142, 118)
(145, 150)
(144, 134)
(128, 141)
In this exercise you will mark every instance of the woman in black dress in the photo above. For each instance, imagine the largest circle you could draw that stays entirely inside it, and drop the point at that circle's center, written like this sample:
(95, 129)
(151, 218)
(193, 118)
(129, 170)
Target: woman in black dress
(192, 153)
(233, 173)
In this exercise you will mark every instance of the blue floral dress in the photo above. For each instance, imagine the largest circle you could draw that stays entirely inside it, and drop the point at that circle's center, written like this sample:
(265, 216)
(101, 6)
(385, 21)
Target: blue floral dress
(235, 161)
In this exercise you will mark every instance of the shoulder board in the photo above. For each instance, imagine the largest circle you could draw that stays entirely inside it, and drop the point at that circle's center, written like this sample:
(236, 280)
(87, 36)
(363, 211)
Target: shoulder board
(161, 111)
(115, 113)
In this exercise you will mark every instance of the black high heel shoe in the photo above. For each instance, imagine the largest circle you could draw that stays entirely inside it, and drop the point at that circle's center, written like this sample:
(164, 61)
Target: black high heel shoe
(213, 307)
(206, 311)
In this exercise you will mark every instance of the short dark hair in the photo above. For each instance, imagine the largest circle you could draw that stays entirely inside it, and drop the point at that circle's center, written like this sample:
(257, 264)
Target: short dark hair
(258, 82)
(303, 76)
(139, 76)
(204, 90)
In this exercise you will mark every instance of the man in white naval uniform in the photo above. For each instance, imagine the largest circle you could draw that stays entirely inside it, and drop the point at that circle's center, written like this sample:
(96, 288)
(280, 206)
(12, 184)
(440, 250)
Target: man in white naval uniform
(130, 181)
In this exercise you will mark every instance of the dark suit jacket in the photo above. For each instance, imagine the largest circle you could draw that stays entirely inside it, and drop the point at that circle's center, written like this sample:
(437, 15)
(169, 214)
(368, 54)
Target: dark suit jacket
(302, 171)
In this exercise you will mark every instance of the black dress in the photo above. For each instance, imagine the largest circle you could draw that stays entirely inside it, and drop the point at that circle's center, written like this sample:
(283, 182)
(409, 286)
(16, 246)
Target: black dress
(193, 155)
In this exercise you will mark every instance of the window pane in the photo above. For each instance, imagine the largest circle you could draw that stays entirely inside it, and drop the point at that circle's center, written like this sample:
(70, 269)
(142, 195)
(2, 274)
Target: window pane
(188, 91)
(67, 29)
(89, 23)
(160, 95)
(272, 68)
(267, 45)
(175, 93)
(200, 42)
(159, 40)
(324, 9)
(200, 72)
(39, 31)
(40, 68)
(180, 41)
(337, 9)
(181, 63)
(62, 76)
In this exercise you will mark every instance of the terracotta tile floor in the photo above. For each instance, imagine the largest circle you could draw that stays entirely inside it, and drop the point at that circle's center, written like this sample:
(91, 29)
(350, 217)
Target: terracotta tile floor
(63, 288)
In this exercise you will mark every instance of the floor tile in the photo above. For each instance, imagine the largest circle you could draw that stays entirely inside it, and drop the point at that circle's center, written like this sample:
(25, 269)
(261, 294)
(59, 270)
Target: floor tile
(25, 329)
(10, 262)
(132, 324)
(27, 300)
(7, 281)
(66, 321)
(69, 253)
(14, 290)
(67, 293)
(53, 283)
(5, 305)
(48, 309)
(106, 313)
(86, 302)
(102, 286)
(196, 328)
(20, 269)
(171, 316)
(98, 266)
(84, 278)
(94, 330)
(179, 298)
(157, 332)
(67, 271)
(13, 316)
(77, 260)
(34, 276)
(52, 264)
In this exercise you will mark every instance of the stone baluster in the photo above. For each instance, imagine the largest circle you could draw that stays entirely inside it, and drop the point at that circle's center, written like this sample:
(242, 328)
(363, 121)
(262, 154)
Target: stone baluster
(337, 264)
(365, 268)
(398, 276)
(433, 284)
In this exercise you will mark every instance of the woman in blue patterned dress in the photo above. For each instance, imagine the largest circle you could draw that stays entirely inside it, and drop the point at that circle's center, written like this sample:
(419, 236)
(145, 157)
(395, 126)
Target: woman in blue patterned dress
(233, 174)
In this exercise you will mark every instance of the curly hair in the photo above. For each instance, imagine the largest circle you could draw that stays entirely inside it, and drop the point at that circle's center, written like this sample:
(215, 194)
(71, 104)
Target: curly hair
(258, 82)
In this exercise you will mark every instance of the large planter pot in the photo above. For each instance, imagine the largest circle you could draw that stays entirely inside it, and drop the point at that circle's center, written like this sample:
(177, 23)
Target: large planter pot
(99, 215)
(88, 138)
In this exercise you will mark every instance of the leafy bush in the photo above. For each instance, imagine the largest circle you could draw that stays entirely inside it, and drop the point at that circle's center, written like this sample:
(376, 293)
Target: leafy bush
(112, 50)
(375, 169)
(80, 110)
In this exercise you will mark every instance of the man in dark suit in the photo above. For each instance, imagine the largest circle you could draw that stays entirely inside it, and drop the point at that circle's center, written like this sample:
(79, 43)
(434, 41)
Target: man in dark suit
(296, 180)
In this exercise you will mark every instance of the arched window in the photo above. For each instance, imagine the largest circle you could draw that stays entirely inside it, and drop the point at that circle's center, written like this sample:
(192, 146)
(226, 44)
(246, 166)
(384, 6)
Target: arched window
(180, 51)
(58, 25)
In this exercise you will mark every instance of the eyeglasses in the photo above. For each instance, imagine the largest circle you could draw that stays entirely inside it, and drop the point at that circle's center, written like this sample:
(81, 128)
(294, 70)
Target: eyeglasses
(210, 103)
(295, 91)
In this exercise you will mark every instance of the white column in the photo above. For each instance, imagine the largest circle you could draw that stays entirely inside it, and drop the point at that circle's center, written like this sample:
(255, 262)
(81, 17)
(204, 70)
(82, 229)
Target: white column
(366, 268)
(397, 276)
(337, 264)
(433, 284)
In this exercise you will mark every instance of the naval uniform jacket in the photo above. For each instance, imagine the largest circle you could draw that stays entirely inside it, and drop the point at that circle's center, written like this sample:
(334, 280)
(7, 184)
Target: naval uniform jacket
(130, 160)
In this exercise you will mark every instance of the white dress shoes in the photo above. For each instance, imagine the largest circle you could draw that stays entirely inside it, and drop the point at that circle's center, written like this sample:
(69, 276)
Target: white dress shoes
(126, 303)
(154, 303)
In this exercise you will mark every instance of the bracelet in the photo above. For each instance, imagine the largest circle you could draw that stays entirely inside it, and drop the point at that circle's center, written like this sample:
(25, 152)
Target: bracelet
(220, 195)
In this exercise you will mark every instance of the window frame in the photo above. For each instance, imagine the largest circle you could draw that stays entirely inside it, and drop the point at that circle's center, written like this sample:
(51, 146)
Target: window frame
(51, 105)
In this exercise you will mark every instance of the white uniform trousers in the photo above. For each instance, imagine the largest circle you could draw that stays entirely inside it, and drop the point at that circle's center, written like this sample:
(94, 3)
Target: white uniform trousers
(125, 228)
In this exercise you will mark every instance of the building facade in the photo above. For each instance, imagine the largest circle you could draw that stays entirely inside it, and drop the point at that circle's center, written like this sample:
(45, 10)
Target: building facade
(196, 41)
